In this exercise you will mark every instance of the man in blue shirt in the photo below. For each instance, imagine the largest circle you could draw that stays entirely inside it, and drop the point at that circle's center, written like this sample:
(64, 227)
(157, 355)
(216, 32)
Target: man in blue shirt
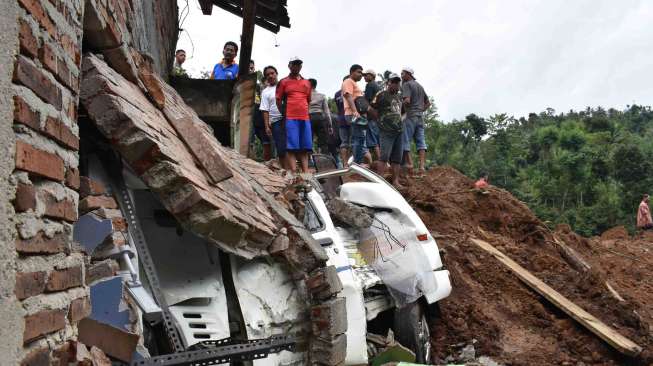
(227, 69)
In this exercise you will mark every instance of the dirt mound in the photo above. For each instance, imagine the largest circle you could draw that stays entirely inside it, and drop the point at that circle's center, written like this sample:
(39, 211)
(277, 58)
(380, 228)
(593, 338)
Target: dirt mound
(510, 322)
(616, 233)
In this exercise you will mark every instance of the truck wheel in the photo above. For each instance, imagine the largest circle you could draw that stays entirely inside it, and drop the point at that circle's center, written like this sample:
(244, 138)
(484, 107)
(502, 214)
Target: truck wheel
(412, 330)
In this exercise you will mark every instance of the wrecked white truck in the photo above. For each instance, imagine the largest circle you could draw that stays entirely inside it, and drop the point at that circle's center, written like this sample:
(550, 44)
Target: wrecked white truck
(223, 260)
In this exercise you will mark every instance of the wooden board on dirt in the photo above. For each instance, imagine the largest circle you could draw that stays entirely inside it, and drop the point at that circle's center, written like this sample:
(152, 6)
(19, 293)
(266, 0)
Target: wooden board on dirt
(603, 331)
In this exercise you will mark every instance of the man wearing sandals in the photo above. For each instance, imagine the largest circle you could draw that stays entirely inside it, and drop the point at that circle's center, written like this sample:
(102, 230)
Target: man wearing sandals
(415, 102)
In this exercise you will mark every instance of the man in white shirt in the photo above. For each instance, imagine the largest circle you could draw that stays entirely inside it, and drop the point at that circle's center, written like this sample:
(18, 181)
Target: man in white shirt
(274, 124)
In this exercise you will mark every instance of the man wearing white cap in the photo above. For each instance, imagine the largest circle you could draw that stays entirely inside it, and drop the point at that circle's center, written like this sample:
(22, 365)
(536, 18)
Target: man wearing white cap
(415, 102)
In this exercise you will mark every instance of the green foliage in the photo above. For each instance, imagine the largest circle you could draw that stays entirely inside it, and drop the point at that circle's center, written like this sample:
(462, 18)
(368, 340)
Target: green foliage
(588, 169)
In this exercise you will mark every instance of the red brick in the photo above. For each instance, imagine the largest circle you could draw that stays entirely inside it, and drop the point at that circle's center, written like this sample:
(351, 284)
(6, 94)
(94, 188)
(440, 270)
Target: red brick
(64, 354)
(64, 209)
(25, 114)
(71, 110)
(32, 77)
(90, 187)
(48, 58)
(37, 357)
(29, 284)
(35, 8)
(114, 342)
(64, 75)
(79, 309)
(25, 197)
(41, 244)
(100, 270)
(72, 178)
(29, 44)
(71, 47)
(60, 132)
(91, 203)
(42, 323)
(119, 224)
(38, 162)
(62, 279)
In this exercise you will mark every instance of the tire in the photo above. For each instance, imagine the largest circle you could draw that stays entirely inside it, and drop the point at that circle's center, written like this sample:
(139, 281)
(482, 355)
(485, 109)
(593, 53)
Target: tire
(412, 330)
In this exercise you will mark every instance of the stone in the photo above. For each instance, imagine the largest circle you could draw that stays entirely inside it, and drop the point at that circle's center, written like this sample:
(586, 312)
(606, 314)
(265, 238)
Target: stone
(324, 283)
(91, 203)
(99, 358)
(29, 284)
(42, 323)
(113, 341)
(42, 244)
(79, 309)
(25, 197)
(101, 270)
(25, 114)
(90, 187)
(38, 162)
(349, 214)
(329, 318)
(26, 73)
(328, 351)
(62, 279)
(61, 133)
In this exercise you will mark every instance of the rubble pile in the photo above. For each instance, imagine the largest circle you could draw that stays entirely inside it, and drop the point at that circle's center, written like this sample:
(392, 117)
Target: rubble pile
(511, 323)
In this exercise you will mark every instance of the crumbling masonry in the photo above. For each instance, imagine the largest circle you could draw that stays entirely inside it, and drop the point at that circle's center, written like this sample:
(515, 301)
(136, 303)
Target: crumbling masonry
(111, 55)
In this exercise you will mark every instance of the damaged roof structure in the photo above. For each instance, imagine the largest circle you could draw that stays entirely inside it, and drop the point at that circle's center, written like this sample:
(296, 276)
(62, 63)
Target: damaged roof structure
(104, 62)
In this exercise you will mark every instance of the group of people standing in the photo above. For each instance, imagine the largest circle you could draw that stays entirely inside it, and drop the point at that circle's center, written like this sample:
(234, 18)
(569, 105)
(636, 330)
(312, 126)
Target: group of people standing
(376, 126)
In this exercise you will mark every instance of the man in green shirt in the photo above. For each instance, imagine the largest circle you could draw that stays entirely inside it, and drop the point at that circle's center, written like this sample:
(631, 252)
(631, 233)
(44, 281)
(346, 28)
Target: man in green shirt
(386, 108)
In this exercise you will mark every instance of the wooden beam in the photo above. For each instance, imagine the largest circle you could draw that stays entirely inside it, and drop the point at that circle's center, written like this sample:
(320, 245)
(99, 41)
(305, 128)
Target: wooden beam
(594, 325)
(247, 36)
(207, 6)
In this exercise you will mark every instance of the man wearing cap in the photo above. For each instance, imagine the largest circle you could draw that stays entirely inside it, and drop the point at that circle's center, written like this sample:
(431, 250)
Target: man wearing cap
(227, 69)
(415, 102)
(386, 109)
(353, 133)
(293, 96)
(371, 89)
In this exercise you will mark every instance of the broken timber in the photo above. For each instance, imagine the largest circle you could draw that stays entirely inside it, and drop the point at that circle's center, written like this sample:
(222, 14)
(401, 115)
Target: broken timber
(611, 336)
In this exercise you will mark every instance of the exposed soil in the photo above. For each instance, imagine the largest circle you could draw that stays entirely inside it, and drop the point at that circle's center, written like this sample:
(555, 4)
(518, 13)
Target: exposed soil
(510, 322)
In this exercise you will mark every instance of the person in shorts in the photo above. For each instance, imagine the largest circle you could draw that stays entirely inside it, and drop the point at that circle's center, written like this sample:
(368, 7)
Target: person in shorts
(372, 88)
(350, 92)
(320, 115)
(415, 103)
(386, 109)
(272, 118)
(293, 96)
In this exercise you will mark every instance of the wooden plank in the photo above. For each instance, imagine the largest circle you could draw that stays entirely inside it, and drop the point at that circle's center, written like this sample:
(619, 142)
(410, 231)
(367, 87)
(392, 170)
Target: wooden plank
(594, 325)
(247, 36)
(199, 145)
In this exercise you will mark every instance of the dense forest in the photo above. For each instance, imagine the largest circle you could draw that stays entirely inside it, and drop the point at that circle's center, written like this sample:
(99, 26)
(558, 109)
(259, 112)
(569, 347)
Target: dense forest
(588, 169)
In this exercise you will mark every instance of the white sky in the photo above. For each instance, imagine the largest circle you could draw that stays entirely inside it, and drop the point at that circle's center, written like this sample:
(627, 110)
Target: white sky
(474, 56)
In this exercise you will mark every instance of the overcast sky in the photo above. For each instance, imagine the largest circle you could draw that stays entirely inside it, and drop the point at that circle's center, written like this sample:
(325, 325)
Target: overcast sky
(474, 56)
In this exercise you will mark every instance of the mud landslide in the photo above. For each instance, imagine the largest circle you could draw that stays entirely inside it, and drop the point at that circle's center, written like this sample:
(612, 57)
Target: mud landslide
(510, 322)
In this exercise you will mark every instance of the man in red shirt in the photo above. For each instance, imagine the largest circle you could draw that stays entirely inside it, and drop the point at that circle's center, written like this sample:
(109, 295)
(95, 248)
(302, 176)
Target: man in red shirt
(293, 97)
(644, 220)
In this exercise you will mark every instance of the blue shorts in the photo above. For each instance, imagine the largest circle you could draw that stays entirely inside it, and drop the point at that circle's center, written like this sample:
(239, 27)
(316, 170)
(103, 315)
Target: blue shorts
(298, 135)
(372, 138)
(414, 131)
(279, 137)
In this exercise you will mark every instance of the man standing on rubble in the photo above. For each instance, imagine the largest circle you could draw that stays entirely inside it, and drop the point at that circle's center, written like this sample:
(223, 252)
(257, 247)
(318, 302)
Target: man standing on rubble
(386, 109)
(372, 88)
(272, 118)
(293, 96)
(227, 69)
(644, 221)
(320, 115)
(416, 102)
(350, 93)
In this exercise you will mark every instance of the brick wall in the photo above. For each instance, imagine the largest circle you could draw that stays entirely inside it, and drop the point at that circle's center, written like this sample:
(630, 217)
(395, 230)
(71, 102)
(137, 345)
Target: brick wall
(49, 278)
